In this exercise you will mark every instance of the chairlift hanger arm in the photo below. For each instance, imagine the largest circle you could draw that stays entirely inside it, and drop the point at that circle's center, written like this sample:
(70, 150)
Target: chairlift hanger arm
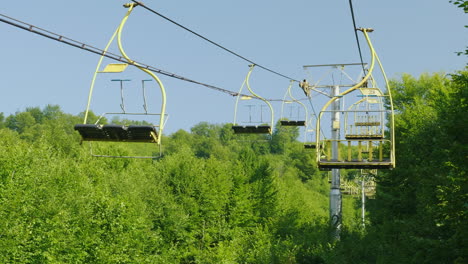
(368, 75)
(93, 81)
(333, 99)
(334, 65)
(371, 145)
(123, 133)
(392, 117)
(256, 95)
(259, 129)
(130, 7)
(288, 92)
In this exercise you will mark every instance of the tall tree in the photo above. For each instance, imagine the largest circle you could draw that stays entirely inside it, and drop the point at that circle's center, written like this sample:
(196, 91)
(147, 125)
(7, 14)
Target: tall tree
(464, 5)
(420, 213)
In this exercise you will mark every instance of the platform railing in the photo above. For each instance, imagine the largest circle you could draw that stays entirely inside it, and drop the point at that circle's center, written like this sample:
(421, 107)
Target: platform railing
(357, 150)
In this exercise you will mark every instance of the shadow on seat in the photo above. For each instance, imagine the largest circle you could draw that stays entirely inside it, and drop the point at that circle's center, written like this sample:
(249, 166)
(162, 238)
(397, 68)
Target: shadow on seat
(117, 133)
(292, 123)
(251, 129)
(310, 146)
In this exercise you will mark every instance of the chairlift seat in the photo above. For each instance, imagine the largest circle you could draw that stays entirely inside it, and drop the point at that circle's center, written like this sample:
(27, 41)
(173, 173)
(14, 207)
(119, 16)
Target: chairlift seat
(117, 133)
(355, 164)
(310, 146)
(369, 95)
(90, 132)
(367, 124)
(292, 123)
(365, 137)
(142, 133)
(251, 129)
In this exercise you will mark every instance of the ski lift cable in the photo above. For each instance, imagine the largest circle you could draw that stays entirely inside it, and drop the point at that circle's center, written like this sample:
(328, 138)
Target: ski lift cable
(315, 113)
(77, 44)
(356, 34)
(212, 42)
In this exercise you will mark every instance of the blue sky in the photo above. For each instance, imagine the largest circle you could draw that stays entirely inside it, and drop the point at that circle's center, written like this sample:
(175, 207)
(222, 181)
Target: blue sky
(410, 37)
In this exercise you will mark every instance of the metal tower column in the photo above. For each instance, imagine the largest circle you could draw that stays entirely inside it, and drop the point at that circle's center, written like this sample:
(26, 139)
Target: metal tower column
(335, 192)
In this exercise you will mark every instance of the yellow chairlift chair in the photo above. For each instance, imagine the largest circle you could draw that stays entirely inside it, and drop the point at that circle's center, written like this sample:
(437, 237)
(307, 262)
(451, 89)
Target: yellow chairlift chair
(123, 133)
(251, 129)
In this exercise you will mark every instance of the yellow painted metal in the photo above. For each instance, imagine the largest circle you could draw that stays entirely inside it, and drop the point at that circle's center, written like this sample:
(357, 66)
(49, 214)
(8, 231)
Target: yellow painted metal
(360, 121)
(359, 151)
(392, 117)
(356, 165)
(294, 100)
(381, 150)
(358, 85)
(336, 124)
(91, 88)
(349, 150)
(114, 68)
(338, 156)
(161, 86)
(288, 93)
(366, 155)
(372, 90)
(254, 95)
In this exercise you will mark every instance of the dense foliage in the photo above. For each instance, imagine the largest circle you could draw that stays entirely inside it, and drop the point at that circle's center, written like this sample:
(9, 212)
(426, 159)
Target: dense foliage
(420, 211)
(426, 196)
(212, 198)
(463, 4)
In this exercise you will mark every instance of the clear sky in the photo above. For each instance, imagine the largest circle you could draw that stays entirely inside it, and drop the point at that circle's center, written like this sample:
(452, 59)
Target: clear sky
(412, 37)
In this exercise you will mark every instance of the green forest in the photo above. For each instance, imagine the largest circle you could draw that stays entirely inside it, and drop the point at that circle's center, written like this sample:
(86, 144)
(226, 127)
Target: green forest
(211, 198)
